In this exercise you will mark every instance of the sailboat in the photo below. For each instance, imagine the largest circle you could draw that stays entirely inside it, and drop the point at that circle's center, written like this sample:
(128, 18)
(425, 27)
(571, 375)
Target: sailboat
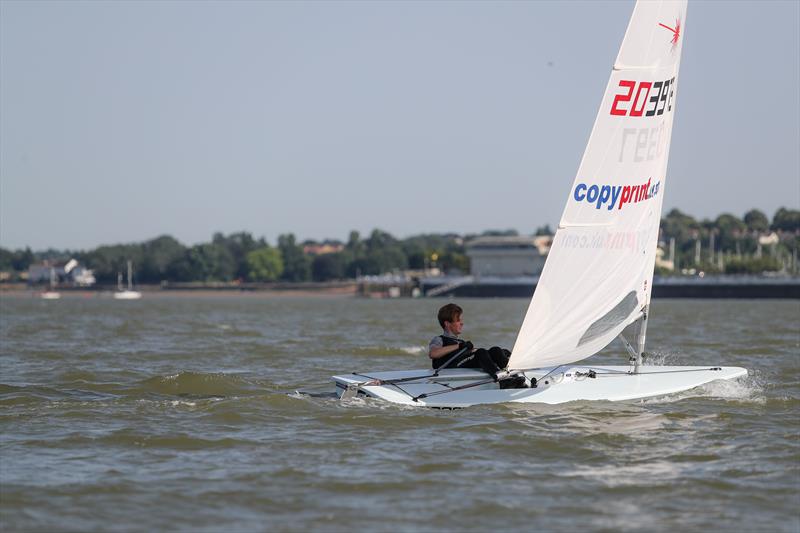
(129, 293)
(51, 293)
(597, 278)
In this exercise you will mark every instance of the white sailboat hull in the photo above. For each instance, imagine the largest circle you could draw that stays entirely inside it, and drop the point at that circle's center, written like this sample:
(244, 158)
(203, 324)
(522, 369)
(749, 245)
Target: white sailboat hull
(555, 385)
(127, 295)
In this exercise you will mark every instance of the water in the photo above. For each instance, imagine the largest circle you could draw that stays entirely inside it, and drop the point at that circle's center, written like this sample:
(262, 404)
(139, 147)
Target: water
(176, 413)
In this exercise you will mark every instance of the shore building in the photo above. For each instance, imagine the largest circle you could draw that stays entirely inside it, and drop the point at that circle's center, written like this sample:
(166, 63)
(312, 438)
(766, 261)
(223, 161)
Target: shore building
(508, 257)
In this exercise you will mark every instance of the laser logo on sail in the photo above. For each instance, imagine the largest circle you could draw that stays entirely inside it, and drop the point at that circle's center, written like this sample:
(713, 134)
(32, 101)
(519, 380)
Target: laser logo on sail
(676, 31)
(610, 196)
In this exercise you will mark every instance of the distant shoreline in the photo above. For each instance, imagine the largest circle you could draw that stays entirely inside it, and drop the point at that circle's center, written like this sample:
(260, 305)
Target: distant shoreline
(157, 291)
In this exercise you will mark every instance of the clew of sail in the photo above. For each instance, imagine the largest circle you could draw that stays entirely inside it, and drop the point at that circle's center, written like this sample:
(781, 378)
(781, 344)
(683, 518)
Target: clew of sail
(598, 274)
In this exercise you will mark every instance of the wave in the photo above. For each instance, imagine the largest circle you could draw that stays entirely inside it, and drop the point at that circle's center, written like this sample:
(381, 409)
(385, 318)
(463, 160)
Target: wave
(748, 389)
(81, 387)
(197, 384)
(139, 439)
(373, 351)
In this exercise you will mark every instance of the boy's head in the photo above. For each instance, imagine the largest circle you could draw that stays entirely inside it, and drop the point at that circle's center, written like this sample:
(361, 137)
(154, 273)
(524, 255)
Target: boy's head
(451, 314)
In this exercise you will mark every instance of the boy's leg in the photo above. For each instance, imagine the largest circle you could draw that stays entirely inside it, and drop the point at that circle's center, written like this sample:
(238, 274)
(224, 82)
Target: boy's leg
(461, 361)
(480, 358)
(499, 356)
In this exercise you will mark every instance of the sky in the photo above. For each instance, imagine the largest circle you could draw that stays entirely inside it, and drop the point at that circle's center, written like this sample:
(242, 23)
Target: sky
(123, 121)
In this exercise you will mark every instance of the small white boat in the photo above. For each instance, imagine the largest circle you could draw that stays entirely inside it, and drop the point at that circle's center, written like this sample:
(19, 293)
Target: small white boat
(553, 385)
(129, 293)
(51, 293)
(598, 275)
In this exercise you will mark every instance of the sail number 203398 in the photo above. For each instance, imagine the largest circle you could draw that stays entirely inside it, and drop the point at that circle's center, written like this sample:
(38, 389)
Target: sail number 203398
(636, 100)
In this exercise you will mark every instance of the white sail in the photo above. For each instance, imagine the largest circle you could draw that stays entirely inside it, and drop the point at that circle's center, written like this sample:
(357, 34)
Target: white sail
(598, 274)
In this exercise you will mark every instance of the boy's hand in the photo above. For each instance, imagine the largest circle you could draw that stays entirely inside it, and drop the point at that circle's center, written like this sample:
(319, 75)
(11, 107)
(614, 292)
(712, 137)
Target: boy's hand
(466, 344)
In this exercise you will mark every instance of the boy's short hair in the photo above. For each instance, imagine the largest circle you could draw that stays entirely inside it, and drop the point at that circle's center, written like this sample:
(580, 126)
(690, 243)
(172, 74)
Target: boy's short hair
(449, 313)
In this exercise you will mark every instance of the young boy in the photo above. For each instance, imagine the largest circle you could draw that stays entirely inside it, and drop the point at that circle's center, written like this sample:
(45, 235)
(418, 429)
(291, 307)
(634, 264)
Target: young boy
(450, 350)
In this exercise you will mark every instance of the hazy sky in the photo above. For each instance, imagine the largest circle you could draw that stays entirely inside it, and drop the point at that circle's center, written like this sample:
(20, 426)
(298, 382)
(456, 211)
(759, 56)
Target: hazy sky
(122, 121)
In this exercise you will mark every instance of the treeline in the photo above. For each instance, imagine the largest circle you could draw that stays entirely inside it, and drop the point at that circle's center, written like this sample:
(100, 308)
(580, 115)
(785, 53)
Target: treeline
(726, 244)
(240, 256)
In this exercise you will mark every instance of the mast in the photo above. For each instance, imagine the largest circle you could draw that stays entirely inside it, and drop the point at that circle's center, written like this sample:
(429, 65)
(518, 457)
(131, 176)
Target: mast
(129, 276)
(641, 339)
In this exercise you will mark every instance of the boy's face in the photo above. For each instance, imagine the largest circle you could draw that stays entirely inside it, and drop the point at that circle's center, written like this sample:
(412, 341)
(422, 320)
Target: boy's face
(456, 326)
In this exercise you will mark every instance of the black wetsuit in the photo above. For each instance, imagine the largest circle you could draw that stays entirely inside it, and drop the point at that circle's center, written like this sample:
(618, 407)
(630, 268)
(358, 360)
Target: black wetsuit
(490, 361)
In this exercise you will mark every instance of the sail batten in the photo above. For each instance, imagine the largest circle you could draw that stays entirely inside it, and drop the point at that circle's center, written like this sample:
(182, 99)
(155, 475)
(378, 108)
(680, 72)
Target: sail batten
(599, 270)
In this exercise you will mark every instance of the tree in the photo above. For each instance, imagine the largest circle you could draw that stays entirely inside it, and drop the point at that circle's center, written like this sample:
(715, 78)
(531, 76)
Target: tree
(22, 259)
(157, 256)
(107, 261)
(379, 240)
(500, 233)
(239, 245)
(210, 262)
(786, 220)
(363, 266)
(328, 267)
(296, 266)
(6, 260)
(679, 226)
(731, 230)
(752, 265)
(416, 255)
(264, 264)
(756, 220)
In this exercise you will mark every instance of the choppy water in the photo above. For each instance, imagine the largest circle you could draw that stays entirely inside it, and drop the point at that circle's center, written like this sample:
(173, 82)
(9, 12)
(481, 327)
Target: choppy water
(172, 413)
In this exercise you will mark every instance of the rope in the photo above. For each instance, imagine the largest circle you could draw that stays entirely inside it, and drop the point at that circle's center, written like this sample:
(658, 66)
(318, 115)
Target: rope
(462, 387)
(412, 378)
(619, 374)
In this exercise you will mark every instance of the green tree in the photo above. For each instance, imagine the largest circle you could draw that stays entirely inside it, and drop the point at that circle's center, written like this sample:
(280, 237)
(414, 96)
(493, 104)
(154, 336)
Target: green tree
(756, 220)
(500, 233)
(447, 248)
(679, 226)
(157, 256)
(296, 265)
(384, 253)
(328, 267)
(210, 262)
(752, 265)
(786, 220)
(22, 259)
(363, 266)
(264, 264)
(108, 261)
(6, 260)
(731, 230)
(239, 245)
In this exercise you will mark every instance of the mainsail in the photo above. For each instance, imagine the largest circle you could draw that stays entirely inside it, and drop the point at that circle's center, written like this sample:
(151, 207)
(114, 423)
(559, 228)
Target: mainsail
(599, 272)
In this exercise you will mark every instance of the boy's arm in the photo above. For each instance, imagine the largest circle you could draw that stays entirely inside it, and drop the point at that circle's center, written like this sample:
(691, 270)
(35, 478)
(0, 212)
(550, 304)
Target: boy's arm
(441, 351)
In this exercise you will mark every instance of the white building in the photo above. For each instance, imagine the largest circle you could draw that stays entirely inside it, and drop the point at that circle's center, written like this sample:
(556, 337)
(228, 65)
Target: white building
(71, 272)
(508, 256)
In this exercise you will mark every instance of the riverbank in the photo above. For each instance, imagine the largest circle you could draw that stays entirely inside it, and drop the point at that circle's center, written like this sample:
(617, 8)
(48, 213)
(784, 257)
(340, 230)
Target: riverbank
(341, 290)
(445, 286)
(663, 287)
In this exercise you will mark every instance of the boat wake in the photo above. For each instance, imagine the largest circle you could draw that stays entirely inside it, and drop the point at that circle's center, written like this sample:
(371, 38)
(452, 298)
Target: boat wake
(746, 390)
